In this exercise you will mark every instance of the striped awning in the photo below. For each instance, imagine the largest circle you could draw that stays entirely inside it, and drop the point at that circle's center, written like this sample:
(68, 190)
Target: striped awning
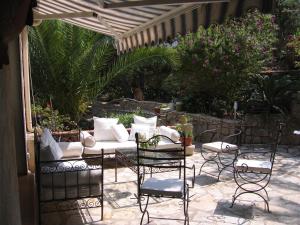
(136, 23)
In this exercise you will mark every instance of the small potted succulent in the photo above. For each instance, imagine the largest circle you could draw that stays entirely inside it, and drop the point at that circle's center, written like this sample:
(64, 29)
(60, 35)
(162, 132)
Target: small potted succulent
(185, 129)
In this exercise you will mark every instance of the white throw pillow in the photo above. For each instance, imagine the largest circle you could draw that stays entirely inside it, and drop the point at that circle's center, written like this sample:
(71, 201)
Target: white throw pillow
(120, 132)
(103, 130)
(170, 133)
(143, 130)
(87, 139)
(145, 121)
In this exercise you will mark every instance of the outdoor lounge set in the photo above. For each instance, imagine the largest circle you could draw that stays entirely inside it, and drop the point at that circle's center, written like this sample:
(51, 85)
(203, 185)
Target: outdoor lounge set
(74, 170)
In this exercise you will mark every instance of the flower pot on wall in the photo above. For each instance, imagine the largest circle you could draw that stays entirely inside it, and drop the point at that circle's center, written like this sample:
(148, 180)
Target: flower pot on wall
(157, 110)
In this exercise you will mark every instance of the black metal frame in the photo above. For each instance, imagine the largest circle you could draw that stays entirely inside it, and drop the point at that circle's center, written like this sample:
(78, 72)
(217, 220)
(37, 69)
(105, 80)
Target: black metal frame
(150, 154)
(251, 182)
(54, 167)
(216, 157)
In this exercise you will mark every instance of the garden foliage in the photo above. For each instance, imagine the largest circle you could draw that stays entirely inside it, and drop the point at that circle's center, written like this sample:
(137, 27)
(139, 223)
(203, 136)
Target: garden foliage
(72, 66)
(217, 61)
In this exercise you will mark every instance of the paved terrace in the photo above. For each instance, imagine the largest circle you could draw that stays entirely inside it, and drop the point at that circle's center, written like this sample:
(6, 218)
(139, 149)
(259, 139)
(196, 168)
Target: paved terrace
(210, 200)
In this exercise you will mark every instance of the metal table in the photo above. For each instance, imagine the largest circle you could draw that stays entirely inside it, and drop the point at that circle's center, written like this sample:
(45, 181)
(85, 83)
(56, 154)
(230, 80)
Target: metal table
(128, 158)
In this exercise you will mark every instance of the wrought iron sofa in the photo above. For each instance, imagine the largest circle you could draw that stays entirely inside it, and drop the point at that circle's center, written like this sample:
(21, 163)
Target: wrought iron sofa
(69, 178)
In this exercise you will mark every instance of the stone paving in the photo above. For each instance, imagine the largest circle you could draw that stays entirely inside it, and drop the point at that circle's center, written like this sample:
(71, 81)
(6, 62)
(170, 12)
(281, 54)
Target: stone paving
(210, 200)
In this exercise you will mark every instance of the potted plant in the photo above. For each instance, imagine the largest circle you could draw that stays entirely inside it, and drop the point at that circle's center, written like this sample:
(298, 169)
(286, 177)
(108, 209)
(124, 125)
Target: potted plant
(188, 138)
(185, 129)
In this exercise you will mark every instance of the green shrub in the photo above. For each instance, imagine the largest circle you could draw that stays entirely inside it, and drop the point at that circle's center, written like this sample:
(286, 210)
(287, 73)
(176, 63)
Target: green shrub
(217, 61)
(271, 94)
(127, 118)
(47, 117)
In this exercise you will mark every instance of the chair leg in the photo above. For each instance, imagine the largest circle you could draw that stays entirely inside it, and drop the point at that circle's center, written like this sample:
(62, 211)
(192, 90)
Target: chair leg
(144, 211)
(209, 160)
(247, 192)
(186, 207)
(244, 190)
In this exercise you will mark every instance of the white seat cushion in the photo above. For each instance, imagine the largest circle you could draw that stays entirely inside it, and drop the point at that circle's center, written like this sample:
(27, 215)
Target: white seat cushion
(163, 187)
(256, 166)
(109, 147)
(71, 149)
(219, 146)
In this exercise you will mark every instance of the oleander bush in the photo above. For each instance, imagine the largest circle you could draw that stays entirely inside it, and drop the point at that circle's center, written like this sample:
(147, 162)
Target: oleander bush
(217, 61)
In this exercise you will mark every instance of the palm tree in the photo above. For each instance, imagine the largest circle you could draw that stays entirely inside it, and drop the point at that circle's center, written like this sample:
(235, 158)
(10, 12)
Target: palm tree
(72, 66)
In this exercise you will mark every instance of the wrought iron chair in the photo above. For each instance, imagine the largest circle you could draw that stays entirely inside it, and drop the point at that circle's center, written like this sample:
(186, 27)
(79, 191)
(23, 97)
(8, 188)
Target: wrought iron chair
(149, 157)
(220, 150)
(253, 171)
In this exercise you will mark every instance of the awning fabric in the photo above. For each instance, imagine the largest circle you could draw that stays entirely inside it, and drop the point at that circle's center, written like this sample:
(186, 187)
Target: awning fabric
(139, 23)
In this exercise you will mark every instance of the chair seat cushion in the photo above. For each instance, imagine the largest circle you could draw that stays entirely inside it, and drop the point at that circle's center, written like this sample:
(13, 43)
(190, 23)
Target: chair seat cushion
(163, 187)
(109, 147)
(256, 166)
(219, 146)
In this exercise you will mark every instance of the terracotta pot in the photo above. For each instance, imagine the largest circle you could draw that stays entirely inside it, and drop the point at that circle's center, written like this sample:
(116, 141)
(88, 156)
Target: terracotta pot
(157, 110)
(188, 141)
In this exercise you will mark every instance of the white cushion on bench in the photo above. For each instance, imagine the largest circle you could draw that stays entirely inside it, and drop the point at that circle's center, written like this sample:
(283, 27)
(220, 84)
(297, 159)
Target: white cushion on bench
(71, 149)
(109, 146)
(219, 146)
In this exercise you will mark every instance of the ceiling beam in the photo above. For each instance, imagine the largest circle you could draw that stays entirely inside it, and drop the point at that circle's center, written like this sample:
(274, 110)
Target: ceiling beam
(53, 16)
(156, 2)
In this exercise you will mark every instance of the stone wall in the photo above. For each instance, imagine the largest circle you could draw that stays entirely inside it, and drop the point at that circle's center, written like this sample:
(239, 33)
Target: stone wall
(123, 105)
(256, 128)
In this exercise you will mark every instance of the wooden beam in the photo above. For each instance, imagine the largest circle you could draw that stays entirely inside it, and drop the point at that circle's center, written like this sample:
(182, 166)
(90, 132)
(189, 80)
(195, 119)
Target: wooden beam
(53, 16)
(127, 4)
